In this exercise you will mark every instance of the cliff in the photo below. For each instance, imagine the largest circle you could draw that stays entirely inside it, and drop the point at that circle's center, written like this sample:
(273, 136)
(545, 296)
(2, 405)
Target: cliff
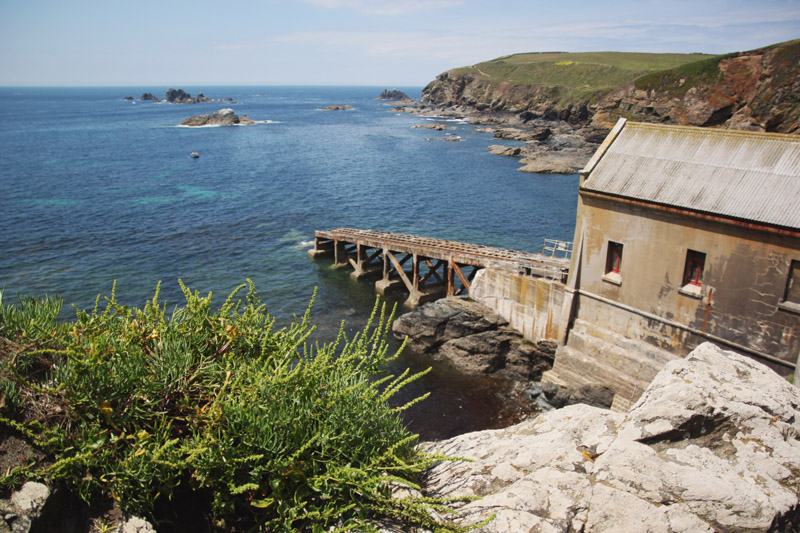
(755, 90)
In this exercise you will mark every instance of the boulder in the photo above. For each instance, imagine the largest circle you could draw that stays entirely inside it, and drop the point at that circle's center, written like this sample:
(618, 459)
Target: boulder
(435, 126)
(550, 164)
(429, 326)
(589, 394)
(713, 444)
(508, 151)
(223, 117)
(472, 338)
(18, 513)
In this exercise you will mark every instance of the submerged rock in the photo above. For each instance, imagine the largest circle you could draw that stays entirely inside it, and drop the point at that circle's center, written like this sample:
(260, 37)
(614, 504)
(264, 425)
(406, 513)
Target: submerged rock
(713, 444)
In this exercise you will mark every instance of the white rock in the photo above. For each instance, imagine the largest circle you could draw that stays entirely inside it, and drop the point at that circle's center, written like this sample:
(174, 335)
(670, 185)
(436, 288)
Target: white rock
(712, 444)
(31, 498)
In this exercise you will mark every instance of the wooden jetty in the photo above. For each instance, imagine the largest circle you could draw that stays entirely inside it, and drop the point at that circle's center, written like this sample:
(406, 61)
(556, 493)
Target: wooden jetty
(428, 268)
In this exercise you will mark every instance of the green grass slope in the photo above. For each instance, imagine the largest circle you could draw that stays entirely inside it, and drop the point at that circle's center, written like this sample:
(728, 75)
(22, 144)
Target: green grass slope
(581, 70)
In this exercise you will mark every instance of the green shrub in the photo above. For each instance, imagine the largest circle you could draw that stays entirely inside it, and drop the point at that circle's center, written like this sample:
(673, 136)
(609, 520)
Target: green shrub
(137, 404)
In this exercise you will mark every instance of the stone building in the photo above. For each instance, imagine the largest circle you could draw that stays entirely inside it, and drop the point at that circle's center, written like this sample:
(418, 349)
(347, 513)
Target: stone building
(683, 235)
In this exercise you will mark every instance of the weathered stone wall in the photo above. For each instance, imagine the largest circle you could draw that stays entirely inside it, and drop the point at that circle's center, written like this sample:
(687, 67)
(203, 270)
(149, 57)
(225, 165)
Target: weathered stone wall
(531, 305)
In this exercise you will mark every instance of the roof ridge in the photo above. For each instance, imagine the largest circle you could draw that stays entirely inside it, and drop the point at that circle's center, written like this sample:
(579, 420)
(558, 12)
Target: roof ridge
(787, 137)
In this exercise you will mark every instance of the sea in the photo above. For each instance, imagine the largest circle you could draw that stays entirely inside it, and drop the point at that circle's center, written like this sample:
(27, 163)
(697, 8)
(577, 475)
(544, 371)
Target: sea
(95, 189)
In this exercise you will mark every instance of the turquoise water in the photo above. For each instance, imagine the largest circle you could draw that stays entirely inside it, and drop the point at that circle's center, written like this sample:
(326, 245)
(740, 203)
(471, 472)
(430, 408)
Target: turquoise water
(97, 189)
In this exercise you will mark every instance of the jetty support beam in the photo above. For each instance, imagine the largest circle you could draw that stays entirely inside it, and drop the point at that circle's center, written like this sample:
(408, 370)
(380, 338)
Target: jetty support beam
(364, 264)
(323, 247)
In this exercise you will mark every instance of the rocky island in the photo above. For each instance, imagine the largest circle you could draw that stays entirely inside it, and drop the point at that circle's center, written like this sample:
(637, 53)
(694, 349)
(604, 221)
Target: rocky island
(179, 96)
(394, 95)
(223, 117)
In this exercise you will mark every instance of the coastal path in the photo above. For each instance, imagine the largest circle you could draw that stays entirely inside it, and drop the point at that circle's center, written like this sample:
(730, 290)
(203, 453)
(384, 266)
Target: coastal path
(428, 268)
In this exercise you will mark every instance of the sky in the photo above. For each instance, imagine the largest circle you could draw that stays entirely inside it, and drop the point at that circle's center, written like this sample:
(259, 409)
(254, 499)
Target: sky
(391, 43)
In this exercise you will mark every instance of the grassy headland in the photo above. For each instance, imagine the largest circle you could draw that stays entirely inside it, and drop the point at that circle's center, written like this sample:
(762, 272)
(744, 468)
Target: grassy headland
(579, 74)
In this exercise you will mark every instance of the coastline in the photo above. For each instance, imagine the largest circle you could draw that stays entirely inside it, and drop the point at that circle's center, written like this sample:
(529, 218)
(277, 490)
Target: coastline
(551, 146)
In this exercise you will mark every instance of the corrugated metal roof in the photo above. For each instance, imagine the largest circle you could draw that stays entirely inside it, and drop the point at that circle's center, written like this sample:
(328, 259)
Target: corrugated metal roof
(744, 175)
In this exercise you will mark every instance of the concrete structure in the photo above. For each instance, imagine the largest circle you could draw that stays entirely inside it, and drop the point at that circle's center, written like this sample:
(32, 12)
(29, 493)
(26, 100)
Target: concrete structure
(532, 305)
(683, 235)
(437, 267)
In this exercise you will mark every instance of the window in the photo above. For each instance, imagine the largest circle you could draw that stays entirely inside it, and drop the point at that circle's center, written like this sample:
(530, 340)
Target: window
(613, 263)
(693, 273)
(791, 295)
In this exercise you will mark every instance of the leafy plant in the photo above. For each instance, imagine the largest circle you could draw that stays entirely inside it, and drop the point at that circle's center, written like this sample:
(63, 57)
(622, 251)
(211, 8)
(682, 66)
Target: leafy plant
(139, 405)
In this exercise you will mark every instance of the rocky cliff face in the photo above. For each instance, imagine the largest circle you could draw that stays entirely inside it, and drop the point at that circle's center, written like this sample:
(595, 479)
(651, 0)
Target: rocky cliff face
(757, 90)
(519, 103)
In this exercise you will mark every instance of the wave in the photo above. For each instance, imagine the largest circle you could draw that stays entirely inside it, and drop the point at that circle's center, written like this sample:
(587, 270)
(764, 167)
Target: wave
(440, 118)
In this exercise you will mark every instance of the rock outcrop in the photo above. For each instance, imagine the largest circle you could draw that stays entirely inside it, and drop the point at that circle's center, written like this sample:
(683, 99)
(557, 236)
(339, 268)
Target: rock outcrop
(178, 96)
(472, 338)
(148, 97)
(712, 445)
(757, 91)
(435, 126)
(337, 107)
(223, 117)
(393, 95)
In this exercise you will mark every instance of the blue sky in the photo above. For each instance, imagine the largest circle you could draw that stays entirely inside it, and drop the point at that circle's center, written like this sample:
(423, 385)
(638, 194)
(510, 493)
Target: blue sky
(350, 42)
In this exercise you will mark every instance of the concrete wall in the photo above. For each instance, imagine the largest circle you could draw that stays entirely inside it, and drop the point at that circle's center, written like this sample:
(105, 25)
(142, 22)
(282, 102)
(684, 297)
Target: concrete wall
(531, 305)
(745, 274)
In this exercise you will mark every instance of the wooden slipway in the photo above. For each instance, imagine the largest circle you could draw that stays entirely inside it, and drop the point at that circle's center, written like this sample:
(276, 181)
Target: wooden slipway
(429, 268)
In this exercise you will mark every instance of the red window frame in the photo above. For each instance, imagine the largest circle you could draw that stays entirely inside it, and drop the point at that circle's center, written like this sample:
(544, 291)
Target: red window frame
(614, 257)
(695, 264)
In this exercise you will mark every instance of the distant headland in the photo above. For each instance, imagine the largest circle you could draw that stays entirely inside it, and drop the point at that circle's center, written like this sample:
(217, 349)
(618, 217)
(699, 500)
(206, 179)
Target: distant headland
(562, 105)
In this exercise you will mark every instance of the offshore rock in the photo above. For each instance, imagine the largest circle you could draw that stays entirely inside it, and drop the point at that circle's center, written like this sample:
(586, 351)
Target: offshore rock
(472, 338)
(179, 96)
(223, 117)
(712, 445)
(394, 95)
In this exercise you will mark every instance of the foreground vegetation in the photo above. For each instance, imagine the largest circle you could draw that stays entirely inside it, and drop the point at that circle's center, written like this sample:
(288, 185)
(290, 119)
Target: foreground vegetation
(267, 431)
